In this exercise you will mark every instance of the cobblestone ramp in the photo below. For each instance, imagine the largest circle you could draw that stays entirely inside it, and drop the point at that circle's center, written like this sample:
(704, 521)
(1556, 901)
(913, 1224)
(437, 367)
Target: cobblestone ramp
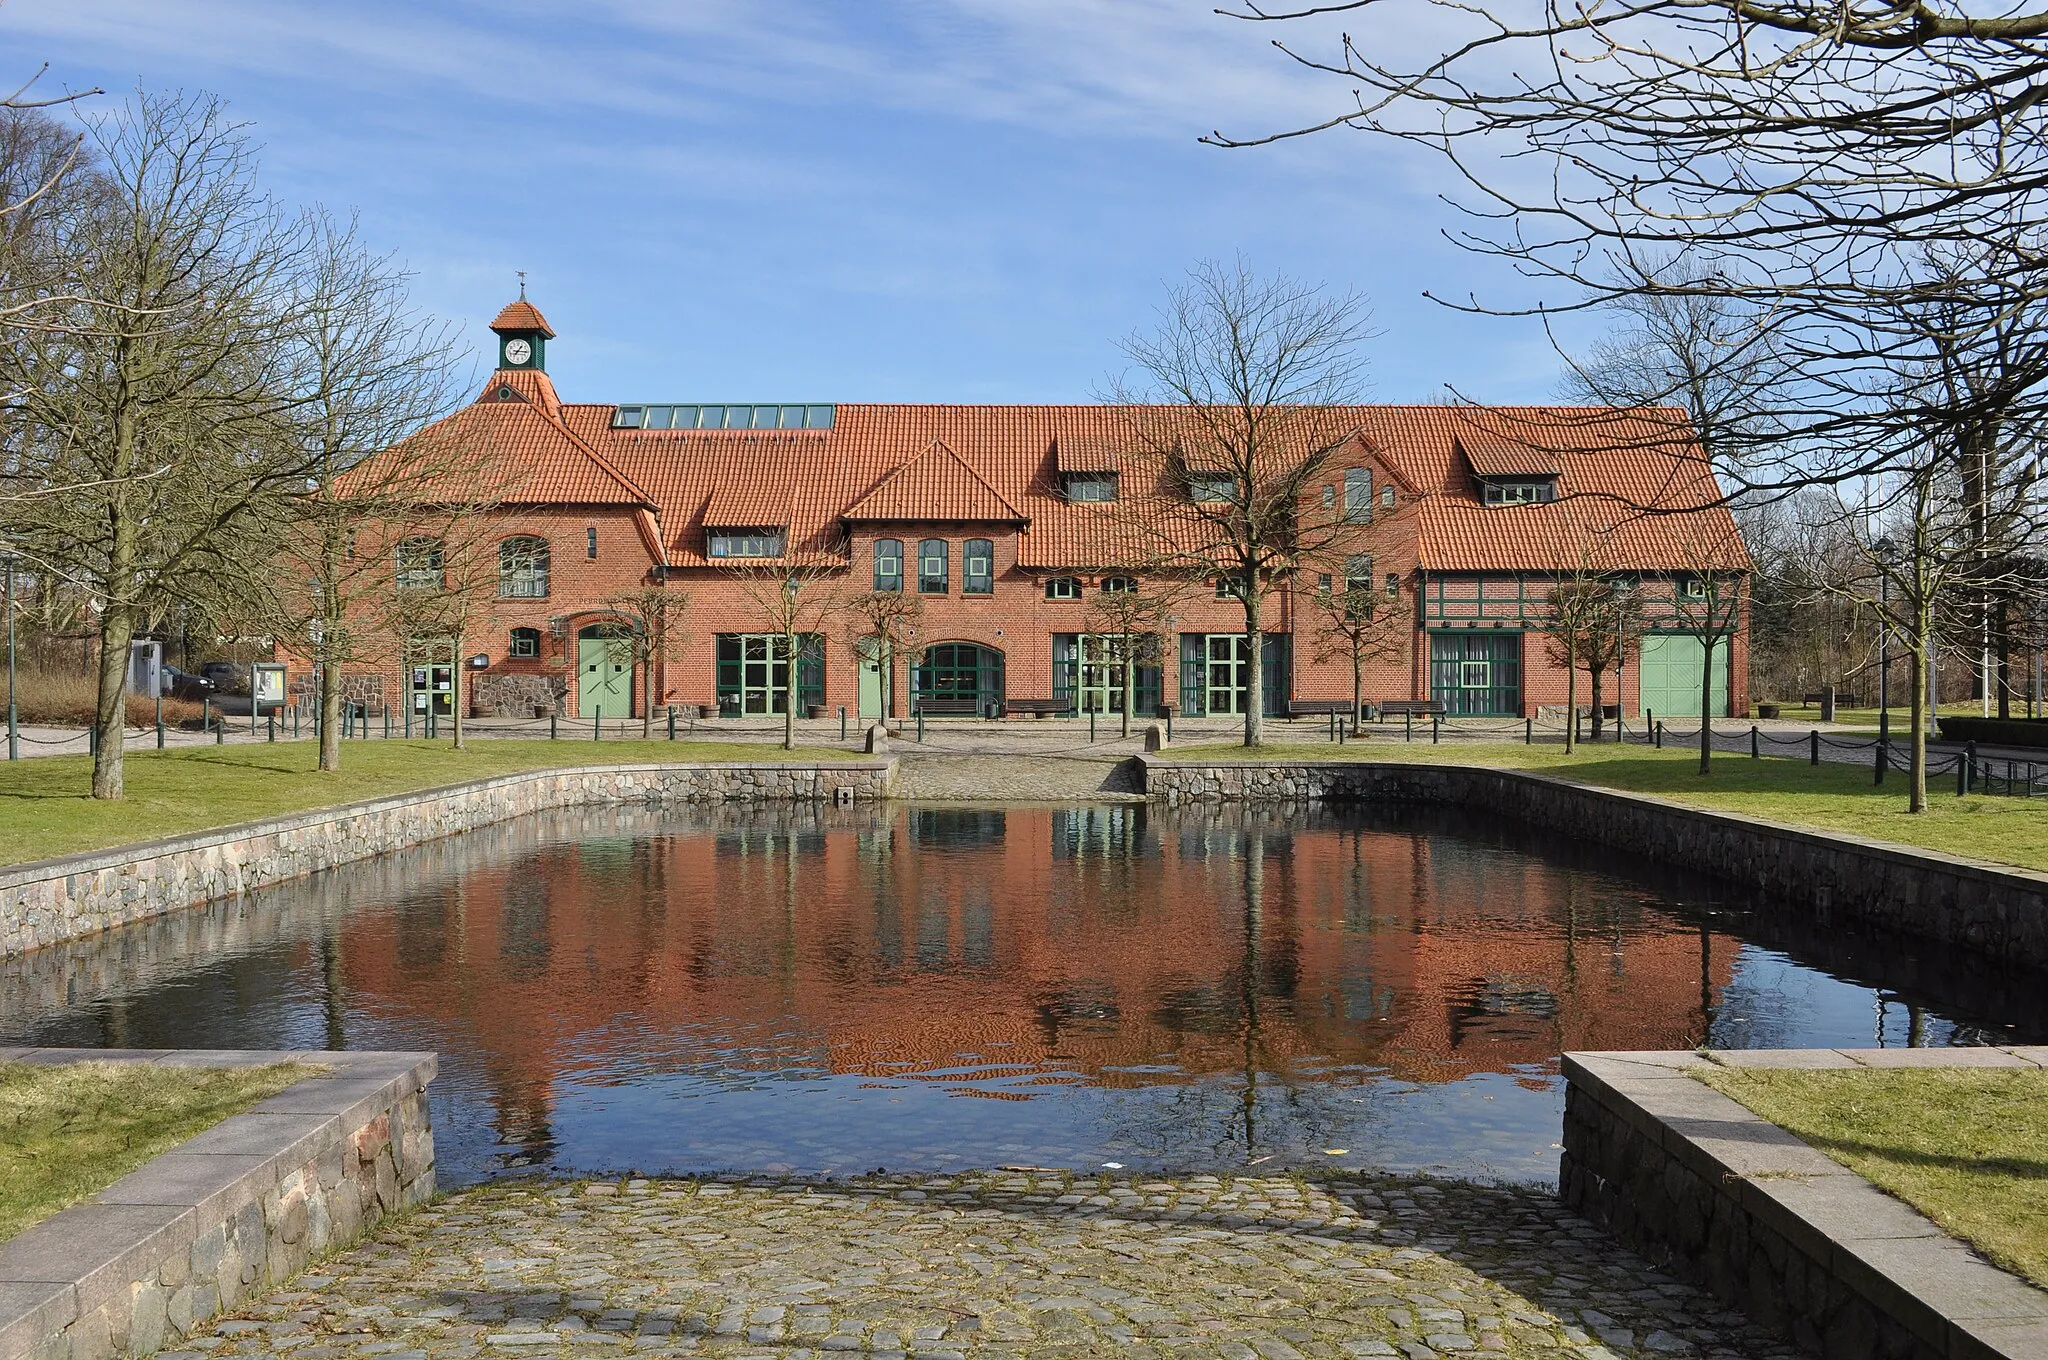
(1028, 779)
(990, 1265)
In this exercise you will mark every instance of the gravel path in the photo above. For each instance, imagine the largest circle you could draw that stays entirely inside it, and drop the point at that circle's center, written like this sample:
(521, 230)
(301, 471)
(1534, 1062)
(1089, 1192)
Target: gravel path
(986, 1265)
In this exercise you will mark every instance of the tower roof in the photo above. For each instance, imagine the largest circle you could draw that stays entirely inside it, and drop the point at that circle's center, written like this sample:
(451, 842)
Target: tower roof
(522, 316)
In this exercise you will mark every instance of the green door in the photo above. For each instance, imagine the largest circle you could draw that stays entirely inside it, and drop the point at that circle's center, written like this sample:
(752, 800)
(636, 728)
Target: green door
(874, 681)
(604, 677)
(1669, 668)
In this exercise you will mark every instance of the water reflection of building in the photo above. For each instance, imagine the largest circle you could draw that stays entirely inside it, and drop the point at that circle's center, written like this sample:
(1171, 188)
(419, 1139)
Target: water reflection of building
(1088, 941)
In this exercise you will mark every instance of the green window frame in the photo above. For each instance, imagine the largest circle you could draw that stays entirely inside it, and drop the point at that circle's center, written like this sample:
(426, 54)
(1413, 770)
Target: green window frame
(933, 556)
(888, 564)
(978, 567)
(753, 673)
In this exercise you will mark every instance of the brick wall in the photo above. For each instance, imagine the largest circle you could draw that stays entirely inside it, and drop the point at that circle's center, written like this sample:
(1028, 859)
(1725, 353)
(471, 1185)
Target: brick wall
(1016, 620)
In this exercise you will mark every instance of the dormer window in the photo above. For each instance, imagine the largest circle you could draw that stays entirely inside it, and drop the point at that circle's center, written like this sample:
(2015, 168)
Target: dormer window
(745, 543)
(1519, 490)
(1097, 487)
(1211, 487)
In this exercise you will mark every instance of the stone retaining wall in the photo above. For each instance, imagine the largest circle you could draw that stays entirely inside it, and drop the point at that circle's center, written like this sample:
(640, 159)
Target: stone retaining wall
(78, 895)
(1718, 1195)
(1832, 876)
(225, 1215)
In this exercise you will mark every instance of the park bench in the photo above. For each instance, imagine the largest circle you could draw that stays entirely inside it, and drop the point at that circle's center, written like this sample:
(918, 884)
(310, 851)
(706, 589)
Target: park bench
(948, 706)
(1303, 708)
(1411, 708)
(1037, 708)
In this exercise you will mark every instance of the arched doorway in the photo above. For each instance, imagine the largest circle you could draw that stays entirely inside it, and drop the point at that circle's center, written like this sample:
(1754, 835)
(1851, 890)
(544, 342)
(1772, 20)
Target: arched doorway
(957, 678)
(604, 671)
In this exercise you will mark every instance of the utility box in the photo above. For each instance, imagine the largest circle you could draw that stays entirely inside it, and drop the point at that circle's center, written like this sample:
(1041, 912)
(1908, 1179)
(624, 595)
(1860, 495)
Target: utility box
(146, 667)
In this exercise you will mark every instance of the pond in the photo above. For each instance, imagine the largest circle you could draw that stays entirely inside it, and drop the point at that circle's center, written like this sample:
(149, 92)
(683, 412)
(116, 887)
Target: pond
(833, 991)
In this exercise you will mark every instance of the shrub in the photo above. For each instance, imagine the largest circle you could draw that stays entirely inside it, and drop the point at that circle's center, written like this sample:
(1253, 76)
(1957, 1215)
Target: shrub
(68, 699)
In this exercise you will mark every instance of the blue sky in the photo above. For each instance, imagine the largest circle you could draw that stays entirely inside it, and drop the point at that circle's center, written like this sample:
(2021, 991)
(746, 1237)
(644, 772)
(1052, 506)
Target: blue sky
(739, 200)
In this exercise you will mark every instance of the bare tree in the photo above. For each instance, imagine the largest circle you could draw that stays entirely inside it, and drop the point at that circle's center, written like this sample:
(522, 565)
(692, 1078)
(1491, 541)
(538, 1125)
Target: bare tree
(1708, 603)
(1356, 624)
(1594, 623)
(155, 461)
(883, 624)
(655, 617)
(369, 375)
(1129, 615)
(1233, 423)
(794, 602)
(1789, 167)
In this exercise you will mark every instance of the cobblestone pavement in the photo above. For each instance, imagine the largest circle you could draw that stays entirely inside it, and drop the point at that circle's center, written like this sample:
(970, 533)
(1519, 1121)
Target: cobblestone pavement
(987, 1265)
(1013, 778)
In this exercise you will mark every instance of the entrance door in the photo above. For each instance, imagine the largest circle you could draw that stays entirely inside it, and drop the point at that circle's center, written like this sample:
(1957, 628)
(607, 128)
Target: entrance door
(1102, 675)
(1669, 668)
(604, 675)
(874, 681)
(1224, 677)
(431, 689)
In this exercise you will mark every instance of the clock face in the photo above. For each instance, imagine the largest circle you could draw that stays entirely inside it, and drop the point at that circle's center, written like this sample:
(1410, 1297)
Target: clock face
(518, 351)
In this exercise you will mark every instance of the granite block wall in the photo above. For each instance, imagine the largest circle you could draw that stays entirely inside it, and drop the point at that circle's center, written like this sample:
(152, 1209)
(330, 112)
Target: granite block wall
(78, 895)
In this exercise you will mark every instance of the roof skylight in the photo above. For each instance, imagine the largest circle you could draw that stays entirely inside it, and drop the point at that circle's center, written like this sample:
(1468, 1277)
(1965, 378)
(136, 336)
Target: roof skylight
(752, 417)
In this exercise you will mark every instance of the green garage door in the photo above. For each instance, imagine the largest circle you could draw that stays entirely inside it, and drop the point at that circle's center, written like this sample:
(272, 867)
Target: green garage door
(1668, 667)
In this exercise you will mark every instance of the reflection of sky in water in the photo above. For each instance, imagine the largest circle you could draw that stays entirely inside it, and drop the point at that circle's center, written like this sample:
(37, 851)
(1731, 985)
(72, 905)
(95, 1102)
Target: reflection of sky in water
(940, 988)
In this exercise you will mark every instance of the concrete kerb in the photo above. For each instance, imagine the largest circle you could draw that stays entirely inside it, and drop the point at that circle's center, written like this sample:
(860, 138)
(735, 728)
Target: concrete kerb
(72, 896)
(230, 1212)
(1716, 1193)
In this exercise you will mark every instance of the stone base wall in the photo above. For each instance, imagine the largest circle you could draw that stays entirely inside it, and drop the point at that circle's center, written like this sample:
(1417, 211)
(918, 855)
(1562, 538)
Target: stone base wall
(516, 696)
(226, 1215)
(79, 895)
(1831, 876)
(1707, 1190)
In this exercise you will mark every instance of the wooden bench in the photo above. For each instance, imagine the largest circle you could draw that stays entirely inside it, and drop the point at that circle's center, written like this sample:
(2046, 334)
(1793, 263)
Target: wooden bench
(948, 707)
(1037, 708)
(1303, 708)
(1411, 708)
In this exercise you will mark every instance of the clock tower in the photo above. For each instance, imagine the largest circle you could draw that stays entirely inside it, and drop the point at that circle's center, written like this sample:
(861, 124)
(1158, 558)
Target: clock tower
(523, 334)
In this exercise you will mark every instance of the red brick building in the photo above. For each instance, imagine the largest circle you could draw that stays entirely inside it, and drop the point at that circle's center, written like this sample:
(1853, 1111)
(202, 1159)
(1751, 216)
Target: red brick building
(991, 515)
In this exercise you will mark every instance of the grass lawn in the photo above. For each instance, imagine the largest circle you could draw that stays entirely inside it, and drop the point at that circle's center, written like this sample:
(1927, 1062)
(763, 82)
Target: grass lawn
(1967, 1147)
(1828, 796)
(70, 1131)
(44, 809)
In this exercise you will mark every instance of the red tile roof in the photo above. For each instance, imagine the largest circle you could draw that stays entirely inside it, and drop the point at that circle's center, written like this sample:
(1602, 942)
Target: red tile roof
(935, 485)
(1001, 464)
(522, 316)
(1080, 453)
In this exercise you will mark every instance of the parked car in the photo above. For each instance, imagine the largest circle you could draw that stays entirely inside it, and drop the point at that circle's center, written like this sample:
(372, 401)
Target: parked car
(227, 677)
(179, 684)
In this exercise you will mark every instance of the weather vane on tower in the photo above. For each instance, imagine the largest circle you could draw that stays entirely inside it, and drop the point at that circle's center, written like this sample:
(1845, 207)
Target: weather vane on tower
(522, 283)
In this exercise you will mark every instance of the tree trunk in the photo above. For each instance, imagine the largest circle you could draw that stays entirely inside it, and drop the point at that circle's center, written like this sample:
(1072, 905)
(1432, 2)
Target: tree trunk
(793, 686)
(647, 698)
(1255, 668)
(1921, 645)
(1357, 689)
(1130, 680)
(330, 716)
(1593, 673)
(1571, 707)
(1706, 702)
(117, 630)
(455, 701)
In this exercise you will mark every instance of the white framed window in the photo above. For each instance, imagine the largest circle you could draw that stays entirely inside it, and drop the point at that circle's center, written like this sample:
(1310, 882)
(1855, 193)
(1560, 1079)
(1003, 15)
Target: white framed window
(1063, 588)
